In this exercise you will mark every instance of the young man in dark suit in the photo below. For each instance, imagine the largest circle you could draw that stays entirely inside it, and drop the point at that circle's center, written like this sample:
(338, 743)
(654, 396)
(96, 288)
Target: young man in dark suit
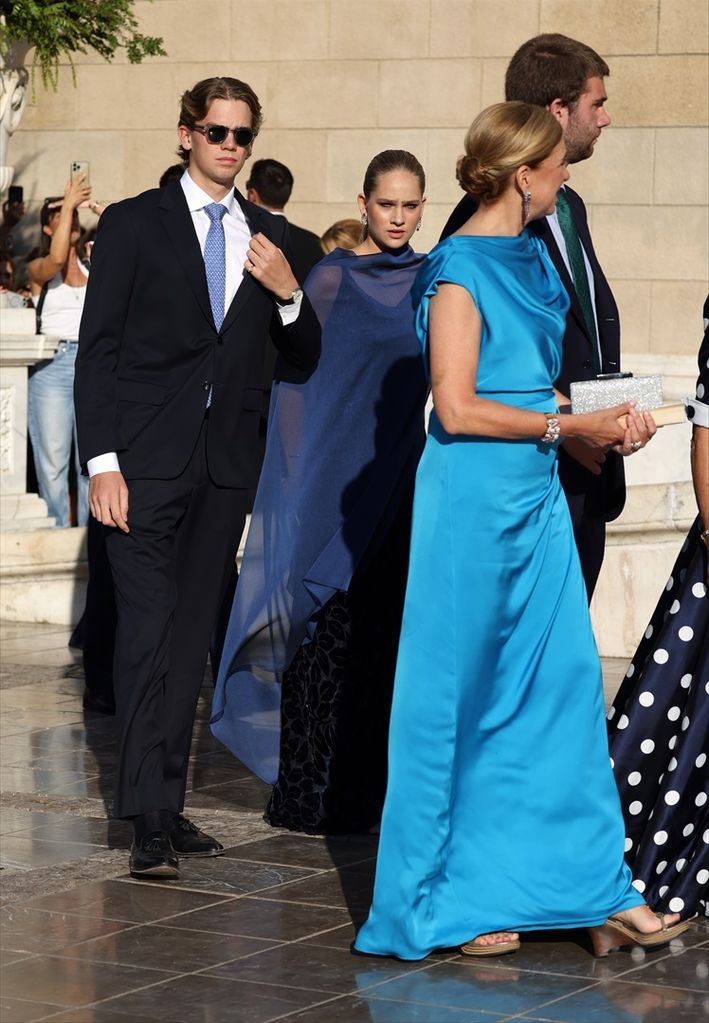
(187, 281)
(567, 77)
(270, 185)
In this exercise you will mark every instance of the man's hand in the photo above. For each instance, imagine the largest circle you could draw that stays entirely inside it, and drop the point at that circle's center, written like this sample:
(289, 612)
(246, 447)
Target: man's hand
(641, 429)
(269, 266)
(588, 455)
(108, 499)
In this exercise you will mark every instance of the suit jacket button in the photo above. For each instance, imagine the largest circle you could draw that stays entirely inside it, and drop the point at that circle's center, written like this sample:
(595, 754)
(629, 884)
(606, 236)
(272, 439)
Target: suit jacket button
(587, 364)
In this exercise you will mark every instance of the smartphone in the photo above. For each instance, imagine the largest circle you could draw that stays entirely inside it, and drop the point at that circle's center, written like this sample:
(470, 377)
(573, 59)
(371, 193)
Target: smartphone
(15, 194)
(77, 168)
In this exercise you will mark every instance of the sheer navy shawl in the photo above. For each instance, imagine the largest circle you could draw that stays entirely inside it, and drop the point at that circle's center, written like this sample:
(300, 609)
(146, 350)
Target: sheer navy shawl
(342, 447)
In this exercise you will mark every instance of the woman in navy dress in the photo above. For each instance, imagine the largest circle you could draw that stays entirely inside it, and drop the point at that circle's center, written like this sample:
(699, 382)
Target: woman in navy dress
(502, 813)
(659, 721)
(304, 691)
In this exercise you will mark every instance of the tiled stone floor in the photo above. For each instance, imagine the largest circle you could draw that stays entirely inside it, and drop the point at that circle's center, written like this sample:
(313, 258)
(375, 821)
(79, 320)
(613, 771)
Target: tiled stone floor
(261, 934)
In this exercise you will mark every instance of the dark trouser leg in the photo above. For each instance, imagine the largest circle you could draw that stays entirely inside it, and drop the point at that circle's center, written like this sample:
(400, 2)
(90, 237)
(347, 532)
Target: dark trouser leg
(99, 632)
(590, 537)
(207, 548)
(168, 574)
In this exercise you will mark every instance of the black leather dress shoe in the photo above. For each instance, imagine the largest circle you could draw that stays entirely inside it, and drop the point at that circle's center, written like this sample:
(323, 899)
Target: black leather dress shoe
(187, 839)
(153, 856)
(99, 703)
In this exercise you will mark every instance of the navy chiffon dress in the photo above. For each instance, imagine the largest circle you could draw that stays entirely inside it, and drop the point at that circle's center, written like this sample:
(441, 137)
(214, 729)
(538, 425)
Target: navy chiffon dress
(304, 688)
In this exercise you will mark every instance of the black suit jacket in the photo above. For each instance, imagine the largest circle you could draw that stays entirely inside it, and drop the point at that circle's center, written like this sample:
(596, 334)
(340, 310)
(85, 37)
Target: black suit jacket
(603, 495)
(149, 350)
(306, 251)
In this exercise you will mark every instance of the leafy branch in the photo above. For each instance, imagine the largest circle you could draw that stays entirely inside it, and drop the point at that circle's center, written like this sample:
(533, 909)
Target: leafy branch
(59, 28)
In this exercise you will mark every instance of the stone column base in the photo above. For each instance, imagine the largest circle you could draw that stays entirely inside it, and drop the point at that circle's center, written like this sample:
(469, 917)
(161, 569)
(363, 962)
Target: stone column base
(43, 575)
(24, 511)
(641, 548)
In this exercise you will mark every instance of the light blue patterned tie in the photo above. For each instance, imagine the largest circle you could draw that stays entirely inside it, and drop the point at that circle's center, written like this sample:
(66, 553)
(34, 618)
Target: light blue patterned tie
(215, 261)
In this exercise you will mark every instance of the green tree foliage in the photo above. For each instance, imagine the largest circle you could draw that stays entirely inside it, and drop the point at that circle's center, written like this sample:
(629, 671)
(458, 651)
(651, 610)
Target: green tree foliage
(59, 28)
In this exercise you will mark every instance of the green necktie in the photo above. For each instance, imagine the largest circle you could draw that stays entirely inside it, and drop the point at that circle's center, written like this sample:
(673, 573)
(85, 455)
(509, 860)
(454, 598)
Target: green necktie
(578, 272)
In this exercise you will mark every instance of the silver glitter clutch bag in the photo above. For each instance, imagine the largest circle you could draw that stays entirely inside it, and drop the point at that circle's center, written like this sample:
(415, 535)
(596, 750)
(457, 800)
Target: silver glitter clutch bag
(614, 389)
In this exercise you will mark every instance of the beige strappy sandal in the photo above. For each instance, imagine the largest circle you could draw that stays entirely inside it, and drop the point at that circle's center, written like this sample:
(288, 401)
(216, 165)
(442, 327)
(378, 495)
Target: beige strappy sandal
(497, 948)
(616, 932)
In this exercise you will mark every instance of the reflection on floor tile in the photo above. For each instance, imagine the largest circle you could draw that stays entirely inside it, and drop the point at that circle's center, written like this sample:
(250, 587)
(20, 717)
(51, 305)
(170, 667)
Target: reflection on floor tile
(688, 969)
(374, 1010)
(160, 948)
(627, 1003)
(306, 851)
(15, 1010)
(313, 967)
(473, 986)
(281, 921)
(23, 853)
(131, 901)
(259, 934)
(199, 999)
(71, 981)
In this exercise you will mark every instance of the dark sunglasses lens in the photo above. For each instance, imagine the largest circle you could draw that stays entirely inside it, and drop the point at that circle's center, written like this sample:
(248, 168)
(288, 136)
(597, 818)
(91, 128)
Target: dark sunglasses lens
(216, 133)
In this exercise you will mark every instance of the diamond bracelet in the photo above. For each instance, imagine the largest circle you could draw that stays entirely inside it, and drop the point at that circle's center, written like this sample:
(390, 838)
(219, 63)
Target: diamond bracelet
(553, 429)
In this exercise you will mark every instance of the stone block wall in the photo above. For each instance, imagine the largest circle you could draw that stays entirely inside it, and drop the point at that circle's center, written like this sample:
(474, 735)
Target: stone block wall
(341, 79)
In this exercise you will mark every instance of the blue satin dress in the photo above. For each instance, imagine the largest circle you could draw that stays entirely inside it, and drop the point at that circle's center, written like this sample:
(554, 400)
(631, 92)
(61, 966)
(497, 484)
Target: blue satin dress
(501, 811)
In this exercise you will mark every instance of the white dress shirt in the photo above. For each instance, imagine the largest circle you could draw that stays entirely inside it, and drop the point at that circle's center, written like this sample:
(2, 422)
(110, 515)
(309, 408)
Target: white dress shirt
(237, 236)
(553, 221)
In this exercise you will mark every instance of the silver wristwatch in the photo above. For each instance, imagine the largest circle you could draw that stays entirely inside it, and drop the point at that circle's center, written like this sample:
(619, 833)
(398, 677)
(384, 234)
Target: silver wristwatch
(295, 296)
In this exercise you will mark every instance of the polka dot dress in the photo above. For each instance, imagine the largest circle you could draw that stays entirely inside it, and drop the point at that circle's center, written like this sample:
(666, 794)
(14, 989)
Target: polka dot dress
(659, 735)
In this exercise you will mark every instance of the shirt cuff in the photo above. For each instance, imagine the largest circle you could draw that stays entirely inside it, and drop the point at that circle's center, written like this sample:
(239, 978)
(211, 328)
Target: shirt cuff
(289, 313)
(697, 412)
(103, 463)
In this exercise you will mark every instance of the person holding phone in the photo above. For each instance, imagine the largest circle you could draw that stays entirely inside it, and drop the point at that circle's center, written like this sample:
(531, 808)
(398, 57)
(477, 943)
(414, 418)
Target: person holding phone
(13, 210)
(58, 276)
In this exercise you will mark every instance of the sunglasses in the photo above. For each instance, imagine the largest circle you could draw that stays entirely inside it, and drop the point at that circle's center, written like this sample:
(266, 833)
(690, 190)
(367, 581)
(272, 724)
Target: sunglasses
(215, 134)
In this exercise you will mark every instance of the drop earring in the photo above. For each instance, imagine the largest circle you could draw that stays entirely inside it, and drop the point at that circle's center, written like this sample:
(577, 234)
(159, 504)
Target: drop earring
(363, 218)
(526, 199)
(418, 226)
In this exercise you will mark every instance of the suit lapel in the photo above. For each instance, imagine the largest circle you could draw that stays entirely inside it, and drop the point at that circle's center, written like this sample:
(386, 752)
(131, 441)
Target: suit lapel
(248, 287)
(180, 229)
(542, 229)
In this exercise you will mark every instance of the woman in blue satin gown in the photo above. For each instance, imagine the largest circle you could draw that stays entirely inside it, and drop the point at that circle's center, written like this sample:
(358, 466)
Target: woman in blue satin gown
(501, 813)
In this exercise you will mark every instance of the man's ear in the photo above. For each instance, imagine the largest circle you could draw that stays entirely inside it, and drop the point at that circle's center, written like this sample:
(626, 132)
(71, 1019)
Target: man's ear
(558, 109)
(184, 135)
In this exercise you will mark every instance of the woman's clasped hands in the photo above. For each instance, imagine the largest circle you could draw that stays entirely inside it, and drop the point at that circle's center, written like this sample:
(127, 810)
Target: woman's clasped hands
(622, 428)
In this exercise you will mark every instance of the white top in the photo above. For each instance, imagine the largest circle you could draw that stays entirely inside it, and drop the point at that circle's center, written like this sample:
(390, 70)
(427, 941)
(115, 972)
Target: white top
(63, 305)
(237, 236)
(553, 221)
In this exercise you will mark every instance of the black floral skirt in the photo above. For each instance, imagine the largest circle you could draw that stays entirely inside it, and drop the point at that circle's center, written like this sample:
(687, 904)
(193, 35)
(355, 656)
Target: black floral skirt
(336, 702)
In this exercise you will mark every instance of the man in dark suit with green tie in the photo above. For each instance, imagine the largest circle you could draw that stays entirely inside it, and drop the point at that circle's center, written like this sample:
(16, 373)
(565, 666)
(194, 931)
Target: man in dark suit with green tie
(568, 78)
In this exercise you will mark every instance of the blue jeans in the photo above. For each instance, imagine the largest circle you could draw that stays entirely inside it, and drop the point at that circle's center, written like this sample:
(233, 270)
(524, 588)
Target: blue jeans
(52, 428)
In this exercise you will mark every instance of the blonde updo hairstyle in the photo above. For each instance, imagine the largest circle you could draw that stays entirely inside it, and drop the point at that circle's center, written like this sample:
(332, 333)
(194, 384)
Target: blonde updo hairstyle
(501, 139)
